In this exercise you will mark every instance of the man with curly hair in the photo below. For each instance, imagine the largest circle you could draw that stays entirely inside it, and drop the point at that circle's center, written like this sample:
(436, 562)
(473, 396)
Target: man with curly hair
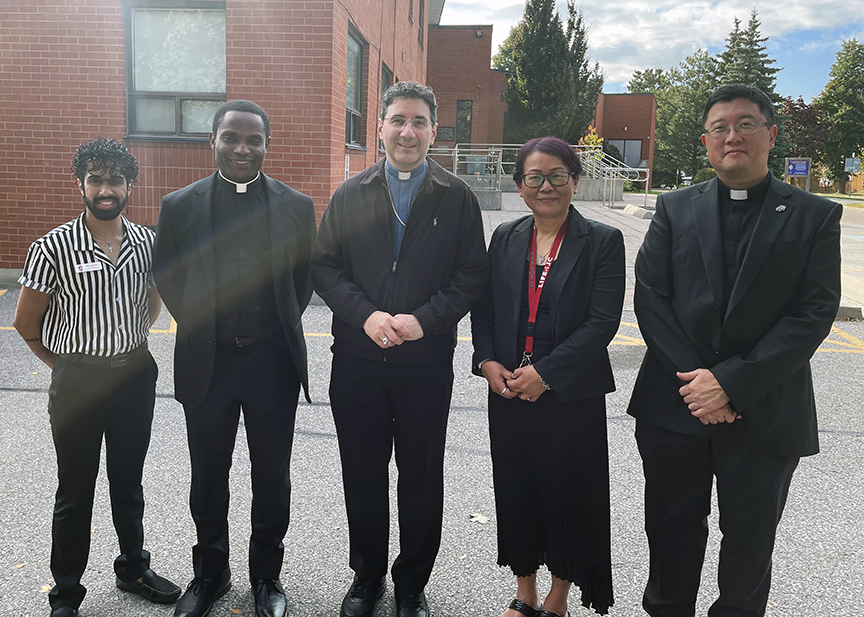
(86, 306)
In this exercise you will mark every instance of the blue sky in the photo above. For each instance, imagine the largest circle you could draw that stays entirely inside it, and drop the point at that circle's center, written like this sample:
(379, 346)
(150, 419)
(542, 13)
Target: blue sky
(628, 35)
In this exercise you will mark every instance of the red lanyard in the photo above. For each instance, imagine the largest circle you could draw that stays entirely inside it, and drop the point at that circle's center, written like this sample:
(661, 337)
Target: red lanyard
(535, 288)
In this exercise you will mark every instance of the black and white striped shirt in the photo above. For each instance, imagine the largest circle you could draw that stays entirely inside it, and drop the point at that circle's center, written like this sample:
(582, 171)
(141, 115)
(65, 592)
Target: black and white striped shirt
(96, 308)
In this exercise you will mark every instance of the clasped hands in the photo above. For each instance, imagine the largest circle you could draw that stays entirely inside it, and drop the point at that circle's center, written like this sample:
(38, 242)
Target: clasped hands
(705, 397)
(387, 330)
(524, 382)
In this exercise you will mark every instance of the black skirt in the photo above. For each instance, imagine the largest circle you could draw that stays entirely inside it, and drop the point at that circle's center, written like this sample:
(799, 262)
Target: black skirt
(550, 464)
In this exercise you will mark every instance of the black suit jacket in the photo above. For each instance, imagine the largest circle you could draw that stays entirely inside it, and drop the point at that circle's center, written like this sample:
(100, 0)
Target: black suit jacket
(183, 266)
(585, 288)
(780, 309)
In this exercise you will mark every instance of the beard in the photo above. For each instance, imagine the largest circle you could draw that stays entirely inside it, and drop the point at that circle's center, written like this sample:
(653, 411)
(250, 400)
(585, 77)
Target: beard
(106, 215)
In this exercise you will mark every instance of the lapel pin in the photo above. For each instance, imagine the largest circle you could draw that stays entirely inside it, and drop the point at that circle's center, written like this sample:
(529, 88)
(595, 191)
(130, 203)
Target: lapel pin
(435, 222)
(780, 208)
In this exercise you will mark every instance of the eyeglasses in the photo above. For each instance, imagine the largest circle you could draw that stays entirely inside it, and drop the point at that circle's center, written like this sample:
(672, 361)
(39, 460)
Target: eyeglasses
(748, 127)
(398, 122)
(535, 181)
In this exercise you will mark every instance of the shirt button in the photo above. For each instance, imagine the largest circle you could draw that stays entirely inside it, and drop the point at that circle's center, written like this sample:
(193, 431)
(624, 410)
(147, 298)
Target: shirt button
(120, 326)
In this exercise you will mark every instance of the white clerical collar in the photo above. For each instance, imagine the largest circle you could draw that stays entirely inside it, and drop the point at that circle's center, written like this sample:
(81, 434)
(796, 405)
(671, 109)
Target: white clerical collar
(239, 186)
(737, 195)
(404, 176)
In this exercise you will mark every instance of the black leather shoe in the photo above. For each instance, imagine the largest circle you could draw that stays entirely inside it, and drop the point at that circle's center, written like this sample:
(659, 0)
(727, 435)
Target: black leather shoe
(152, 587)
(411, 604)
(269, 597)
(65, 611)
(361, 598)
(201, 594)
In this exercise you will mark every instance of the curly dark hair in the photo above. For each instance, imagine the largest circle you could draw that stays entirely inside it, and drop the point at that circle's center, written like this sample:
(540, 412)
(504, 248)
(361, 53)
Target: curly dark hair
(241, 105)
(109, 154)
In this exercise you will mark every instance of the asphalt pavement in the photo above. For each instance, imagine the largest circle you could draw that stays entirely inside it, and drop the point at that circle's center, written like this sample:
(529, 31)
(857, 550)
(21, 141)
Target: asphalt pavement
(819, 556)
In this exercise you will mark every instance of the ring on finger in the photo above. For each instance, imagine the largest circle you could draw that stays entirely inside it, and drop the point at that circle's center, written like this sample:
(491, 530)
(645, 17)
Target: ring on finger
(384, 341)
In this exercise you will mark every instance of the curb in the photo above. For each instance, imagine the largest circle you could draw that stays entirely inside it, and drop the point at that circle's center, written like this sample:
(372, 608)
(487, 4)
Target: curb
(638, 212)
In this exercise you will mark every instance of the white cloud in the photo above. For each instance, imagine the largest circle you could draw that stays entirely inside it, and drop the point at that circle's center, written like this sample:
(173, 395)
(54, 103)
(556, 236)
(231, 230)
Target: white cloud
(631, 35)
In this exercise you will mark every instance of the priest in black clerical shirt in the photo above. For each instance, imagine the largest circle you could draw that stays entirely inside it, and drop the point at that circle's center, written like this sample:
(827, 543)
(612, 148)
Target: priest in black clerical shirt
(737, 284)
(231, 260)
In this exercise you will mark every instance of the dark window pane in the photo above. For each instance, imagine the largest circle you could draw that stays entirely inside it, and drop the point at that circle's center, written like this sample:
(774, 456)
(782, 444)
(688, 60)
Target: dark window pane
(355, 74)
(463, 121)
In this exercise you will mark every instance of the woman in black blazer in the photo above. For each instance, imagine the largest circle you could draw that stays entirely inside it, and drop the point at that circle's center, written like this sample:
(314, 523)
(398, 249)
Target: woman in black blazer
(547, 409)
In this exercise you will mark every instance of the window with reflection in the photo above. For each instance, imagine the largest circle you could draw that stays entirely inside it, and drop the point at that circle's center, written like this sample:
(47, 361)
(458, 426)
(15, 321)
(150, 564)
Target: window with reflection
(176, 67)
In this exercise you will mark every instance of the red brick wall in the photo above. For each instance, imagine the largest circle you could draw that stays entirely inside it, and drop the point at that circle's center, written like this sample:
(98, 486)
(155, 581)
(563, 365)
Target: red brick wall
(458, 70)
(62, 82)
(637, 112)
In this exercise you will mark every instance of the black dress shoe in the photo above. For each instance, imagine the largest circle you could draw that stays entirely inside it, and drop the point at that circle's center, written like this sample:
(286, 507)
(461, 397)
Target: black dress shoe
(152, 587)
(201, 594)
(411, 604)
(361, 598)
(65, 611)
(269, 597)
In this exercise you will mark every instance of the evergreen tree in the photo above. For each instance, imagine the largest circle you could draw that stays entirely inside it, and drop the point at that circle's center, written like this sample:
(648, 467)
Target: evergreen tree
(842, 103)
(505, 60)
(746, 61)
(553, 88)
(649, 81)
(681, 93)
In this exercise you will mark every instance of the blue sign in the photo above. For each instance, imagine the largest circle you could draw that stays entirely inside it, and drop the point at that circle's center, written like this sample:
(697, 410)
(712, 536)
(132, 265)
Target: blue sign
(798, 167)
(853, 165)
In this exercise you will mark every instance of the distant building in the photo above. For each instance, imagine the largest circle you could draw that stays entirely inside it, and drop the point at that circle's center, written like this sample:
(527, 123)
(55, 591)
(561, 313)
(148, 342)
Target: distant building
(628, 122)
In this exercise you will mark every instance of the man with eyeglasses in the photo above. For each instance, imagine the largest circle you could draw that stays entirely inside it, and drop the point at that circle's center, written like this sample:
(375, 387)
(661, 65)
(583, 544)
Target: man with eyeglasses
(737, 284)
(400, 258)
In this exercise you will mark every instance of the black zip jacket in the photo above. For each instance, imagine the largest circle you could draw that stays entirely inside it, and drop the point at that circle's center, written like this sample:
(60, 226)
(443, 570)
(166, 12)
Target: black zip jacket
(438, 276)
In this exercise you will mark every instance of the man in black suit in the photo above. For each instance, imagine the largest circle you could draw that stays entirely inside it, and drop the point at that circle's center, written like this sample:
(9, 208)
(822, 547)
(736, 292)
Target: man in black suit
(231, 260)
(738, 282)
(400, 259)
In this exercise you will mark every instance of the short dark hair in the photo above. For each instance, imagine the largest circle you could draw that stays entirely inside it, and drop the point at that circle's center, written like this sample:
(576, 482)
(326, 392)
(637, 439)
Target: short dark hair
(740, 91)
(241, 105)
(107, 153)
(410, 90)
(548, 145)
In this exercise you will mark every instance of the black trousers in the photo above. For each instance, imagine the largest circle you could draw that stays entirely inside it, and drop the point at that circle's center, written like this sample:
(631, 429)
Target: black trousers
(262, 381)
(85, 403)
(377, 406)
(751, 492)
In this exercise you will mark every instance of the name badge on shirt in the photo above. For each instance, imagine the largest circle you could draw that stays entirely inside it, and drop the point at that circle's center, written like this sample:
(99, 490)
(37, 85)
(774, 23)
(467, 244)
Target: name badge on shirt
(89, 267)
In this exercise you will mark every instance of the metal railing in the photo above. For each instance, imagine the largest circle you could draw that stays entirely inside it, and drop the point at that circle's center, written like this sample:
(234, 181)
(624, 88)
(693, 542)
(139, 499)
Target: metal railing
(483, 166)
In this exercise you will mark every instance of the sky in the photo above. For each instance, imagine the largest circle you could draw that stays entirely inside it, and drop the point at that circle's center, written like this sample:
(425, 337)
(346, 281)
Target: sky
(630, 35)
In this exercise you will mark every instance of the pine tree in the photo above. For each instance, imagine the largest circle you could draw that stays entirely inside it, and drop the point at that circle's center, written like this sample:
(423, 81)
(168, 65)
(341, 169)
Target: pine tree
(746, 61)
(842, 105)
(553, 89)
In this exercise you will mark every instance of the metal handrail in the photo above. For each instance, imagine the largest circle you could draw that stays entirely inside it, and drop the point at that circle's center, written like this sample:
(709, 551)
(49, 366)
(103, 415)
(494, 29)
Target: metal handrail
(483, 166)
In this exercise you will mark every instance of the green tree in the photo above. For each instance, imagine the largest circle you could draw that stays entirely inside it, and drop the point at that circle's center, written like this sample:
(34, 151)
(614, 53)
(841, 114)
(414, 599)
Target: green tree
(505, 59)
(842, 105)
(553, 87)
(804, 127)
(746, 61)
(681, 93)
(649, 81)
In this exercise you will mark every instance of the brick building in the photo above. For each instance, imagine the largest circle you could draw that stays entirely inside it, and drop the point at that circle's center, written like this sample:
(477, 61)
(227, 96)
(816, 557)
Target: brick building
(150, 72)
(628, 122)
(470, 109)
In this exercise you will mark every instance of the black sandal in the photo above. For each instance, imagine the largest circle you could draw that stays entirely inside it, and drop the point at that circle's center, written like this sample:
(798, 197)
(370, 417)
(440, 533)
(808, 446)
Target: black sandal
(542, 613)
(520, 607)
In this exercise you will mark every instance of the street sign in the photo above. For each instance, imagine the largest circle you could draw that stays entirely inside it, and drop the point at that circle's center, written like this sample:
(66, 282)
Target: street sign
(853, 165)
(797, 167)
